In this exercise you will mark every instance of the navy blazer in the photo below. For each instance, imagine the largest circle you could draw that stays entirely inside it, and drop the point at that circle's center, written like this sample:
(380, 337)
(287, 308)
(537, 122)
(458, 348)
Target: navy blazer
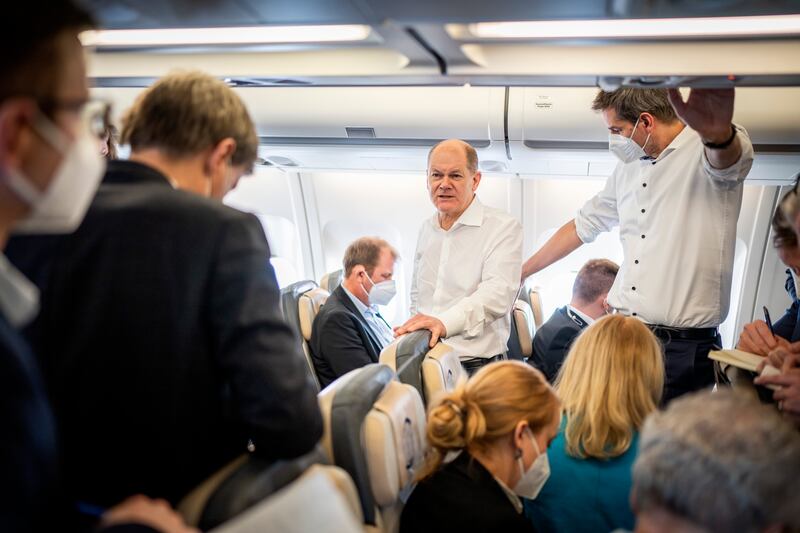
(341, 339)
(161, 341)
(553, 341)
(788, 326)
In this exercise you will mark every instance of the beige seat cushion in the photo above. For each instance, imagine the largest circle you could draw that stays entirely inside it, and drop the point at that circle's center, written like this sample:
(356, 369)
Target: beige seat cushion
(394, 442)
(319, 500)
(308, 307)
(536, 307)
(192, 506)
(441, 372)
(523, 319)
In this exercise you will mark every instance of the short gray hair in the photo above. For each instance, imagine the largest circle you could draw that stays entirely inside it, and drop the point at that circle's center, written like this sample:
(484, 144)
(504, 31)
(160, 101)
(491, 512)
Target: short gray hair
(629, 103)
(722, 461)
(469, 151)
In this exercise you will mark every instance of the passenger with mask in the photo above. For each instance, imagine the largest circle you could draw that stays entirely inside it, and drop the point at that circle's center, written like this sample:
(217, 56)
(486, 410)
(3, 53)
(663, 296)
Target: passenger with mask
(675, 195)
(160, 335)
(498, 426)
(349, 331)
(611, 381)
(49, 171)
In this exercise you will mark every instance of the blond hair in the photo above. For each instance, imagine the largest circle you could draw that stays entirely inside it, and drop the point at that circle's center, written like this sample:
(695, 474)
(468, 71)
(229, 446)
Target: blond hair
(487, 408)
(611, 380)
(185, 113)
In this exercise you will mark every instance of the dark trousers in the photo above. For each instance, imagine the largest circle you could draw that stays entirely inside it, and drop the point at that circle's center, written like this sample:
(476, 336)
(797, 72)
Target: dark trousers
(476, 363)
(687, 365)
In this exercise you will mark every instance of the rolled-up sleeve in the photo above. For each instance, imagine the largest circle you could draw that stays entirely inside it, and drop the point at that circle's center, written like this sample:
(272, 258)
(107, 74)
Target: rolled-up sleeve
(737, 172)
(497, 289)
(600, 213)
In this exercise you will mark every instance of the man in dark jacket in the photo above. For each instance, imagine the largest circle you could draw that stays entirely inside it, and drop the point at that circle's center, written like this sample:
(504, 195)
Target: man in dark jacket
(349, 332)
(161, 339)
(554, 339)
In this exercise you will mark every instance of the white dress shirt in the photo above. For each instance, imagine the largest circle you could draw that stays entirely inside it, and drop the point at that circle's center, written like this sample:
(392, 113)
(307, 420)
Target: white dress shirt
(468, 277)
(580, 314)
(375, 322)
(677, 217)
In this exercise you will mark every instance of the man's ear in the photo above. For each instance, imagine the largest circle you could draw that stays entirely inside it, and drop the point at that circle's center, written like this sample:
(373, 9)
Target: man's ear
(476, 179)
(16, 135)
(221, 154)
(649, 121)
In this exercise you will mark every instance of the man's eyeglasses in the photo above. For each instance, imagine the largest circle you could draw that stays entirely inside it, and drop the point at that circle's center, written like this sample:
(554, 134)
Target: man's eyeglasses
(95, 115)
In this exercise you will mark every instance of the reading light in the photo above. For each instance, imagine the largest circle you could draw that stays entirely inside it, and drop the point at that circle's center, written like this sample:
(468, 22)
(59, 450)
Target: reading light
(212, 36)
(637, 28)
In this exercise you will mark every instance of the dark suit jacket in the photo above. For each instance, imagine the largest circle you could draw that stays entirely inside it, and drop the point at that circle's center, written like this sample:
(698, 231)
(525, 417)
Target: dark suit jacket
(553, 341)
(462, 496)
(341, 339)
(162, 342)
(788, 326)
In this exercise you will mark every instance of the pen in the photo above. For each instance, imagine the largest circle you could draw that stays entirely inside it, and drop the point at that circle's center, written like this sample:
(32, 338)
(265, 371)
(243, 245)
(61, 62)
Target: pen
(768, 321)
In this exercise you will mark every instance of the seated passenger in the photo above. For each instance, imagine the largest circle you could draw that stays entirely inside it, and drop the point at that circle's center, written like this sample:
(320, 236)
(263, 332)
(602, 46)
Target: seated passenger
(500, 424)
(160, 334)
(44, 127)
(589, 292)
(717, 462)
(756, 336)
(349, 332)
(465, 276)
(611, 380)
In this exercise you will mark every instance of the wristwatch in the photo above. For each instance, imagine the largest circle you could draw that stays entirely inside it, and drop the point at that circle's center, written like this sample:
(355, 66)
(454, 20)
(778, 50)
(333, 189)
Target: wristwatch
(724, 144)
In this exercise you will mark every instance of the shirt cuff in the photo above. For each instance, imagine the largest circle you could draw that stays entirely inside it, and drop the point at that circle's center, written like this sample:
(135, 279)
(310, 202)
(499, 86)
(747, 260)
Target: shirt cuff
(737, 171)
(586, 232)
(453, 320)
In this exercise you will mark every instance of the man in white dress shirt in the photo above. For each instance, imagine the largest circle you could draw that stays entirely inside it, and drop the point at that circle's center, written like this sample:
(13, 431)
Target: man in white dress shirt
(676, 196)
(467, 263)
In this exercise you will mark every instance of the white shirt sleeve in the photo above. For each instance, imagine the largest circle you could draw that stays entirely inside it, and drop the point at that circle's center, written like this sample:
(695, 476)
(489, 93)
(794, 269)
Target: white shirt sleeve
(737, 172)
(599, 214)
(495, 294)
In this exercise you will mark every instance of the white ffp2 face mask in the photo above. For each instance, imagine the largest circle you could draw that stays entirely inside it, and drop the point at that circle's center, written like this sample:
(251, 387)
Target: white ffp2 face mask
(61, 207)
(382, 292)
(533, 479)
(625, 148)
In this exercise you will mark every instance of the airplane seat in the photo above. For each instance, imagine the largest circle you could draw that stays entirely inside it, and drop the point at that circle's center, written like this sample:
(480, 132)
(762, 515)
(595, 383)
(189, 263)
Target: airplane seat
(432, 371)
(301, 303)
(331, 280)
(242, 484)
(327, 488)
(535, 299)
(375, 430)
(520, 342)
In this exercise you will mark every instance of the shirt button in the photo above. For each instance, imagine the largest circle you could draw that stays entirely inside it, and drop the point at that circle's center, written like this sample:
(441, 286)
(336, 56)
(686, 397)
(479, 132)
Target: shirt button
(642, 210)
(633, 314)
(644, 185)
(636, 261)
(642, 236)
(633, 288)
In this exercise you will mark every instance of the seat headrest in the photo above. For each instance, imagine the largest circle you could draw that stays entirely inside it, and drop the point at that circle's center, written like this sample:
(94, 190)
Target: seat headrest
(441, 372)
(345, 404)
(308, 307)
(522, 316)
(394, 441)
(326, 487)
(536, 306)
(331, 280)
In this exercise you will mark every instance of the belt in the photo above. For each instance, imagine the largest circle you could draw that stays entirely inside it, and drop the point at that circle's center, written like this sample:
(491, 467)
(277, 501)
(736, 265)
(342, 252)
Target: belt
(477, 362)
(684, 334)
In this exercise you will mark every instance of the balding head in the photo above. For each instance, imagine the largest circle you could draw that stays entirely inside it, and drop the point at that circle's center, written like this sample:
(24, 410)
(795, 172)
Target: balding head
(457, 145)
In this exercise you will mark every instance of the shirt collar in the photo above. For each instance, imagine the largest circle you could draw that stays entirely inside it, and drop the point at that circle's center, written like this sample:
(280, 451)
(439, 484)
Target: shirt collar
(677, 143)
(511, 495)
(472, 215)
(582, 316)
(19, 298)
(358, 303)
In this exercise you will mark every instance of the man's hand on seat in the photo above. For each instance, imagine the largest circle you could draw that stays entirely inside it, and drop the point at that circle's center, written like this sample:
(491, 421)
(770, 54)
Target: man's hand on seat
(758, 339)
(420, 321)
(140, 509)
